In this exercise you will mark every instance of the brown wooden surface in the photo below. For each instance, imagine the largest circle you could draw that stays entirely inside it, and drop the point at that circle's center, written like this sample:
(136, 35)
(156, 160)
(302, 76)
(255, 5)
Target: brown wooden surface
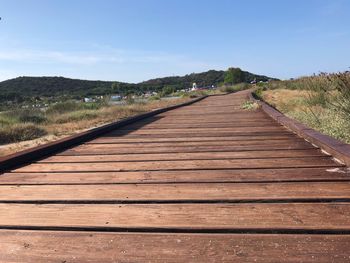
(184, 176)
(97, 247)
(178, 192)
(255, 216)
(209, 182)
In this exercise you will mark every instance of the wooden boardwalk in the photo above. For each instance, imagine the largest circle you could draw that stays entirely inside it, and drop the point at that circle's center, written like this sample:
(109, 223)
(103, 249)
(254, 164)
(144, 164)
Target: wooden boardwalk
(208, 182)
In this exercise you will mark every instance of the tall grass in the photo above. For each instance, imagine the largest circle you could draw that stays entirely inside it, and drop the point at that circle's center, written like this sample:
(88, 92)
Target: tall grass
(236, 87)
(20, 132)
(66, 118)
(320, 101)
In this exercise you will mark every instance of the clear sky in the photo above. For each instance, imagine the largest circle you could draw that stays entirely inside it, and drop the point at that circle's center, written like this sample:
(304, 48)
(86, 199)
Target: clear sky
(135, 40)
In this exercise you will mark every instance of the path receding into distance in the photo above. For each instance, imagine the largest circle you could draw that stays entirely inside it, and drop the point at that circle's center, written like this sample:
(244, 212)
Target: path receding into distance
(208, 182)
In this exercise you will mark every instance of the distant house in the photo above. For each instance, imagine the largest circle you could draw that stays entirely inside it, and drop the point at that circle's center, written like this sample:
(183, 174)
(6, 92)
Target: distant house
(194, 86)
(88, 100)
(116, 97)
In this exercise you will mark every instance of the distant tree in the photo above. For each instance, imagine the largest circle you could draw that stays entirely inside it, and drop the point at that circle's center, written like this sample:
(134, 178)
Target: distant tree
(233, 76)
(167, 90)
(116, 87)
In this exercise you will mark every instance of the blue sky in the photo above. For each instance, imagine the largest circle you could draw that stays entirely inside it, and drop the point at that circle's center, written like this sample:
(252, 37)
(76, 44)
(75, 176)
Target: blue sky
(135, 40)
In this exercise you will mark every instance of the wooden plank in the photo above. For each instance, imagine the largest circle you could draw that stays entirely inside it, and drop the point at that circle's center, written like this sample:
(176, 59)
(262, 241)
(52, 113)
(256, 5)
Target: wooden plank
(217, 120)
(196, 134)
(257, 216)
(184, 176)
(197, 143)
(199, 125)
(179, 192)
(203, 130)
(96, 247)
(82, 150)
(184, 156)
(117, 139)
(180, 165)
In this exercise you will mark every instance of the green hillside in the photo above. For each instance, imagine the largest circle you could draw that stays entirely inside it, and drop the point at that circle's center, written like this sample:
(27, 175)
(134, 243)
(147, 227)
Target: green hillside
(21, 88)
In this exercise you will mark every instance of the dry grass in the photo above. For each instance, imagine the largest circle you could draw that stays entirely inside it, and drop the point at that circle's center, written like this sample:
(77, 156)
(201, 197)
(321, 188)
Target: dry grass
(321, 102)
(59, 125)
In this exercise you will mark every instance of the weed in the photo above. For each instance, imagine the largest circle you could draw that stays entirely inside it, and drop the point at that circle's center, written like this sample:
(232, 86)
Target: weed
(320, 101)
(250, 105)
(20, 132)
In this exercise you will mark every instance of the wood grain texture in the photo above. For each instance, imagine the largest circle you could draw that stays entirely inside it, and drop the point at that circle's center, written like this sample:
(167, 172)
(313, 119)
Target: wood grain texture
(178, 192)
(185, 156)
(184, 176)
(96, 247)
(180, 165)
(256, 216)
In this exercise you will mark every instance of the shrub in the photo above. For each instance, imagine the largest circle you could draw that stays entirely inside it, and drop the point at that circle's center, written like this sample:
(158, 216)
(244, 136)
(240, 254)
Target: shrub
(320, 101)
(153, 98)
(233, 88)
(93, 105)
(258, 92)
(250, 105)
(63, 107)
(75, 116)
(25, 115)
(20, 132)
(130, 99)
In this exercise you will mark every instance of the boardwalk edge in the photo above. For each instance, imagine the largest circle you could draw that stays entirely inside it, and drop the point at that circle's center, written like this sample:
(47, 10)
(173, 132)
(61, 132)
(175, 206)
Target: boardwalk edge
(334, 147)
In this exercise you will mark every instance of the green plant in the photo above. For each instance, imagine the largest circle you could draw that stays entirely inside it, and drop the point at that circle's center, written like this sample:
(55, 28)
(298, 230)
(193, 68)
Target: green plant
(63, 107)
(233, 76)
(20, 132)
(320, 101)
(167, 90)
(258, 92)
(236, 87)
(155, 97)
(75, 116)
(250, 105)
(25, 115)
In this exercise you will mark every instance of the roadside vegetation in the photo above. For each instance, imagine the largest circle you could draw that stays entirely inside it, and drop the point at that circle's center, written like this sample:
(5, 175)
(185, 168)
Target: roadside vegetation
(24, 128)
(30, 118)
(63, 119)
(322, 101)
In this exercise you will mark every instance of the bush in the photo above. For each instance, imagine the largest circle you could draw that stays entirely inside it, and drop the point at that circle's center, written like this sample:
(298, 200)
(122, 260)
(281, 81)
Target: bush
(130, 100)
(320, 101)
(153, 98)
(258, 92)
(250, 105)
(63, 107)
(75, 116)
(25, 115)
(93, 105)
(20, 132)
(237, 87)
(167, 90)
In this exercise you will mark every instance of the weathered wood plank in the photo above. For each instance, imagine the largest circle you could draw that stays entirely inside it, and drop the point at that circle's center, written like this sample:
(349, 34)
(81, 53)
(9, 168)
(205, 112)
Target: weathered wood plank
(203, 130)
(96, 247)
(33, 246)
(180, 165)
(196, 134)
(184, 156)
(119, 139)
(179, 192)
(185, 176)
(258, 216)
(84, 150)
(201, 143)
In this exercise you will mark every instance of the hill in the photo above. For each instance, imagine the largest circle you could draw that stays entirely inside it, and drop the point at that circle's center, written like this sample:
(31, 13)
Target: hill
(21, 88)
